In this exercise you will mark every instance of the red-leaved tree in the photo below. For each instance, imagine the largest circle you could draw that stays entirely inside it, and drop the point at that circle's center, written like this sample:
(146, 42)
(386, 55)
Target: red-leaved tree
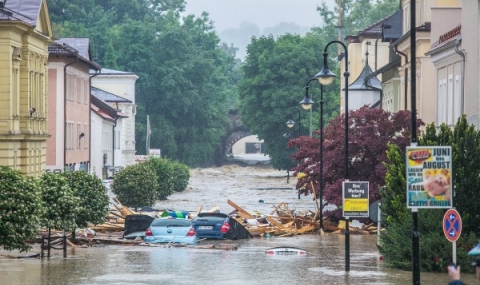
(370, 130)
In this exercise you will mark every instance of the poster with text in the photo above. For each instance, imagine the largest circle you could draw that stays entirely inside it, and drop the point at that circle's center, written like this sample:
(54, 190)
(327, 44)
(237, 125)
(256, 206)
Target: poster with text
(355, 199)
(429, 177)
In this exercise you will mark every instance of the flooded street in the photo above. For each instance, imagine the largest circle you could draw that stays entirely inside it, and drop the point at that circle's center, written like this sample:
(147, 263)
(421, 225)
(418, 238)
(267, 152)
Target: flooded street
(246, 186)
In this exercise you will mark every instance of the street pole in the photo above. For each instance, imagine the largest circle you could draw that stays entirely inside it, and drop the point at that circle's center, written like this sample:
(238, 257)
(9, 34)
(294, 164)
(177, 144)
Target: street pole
(413, 95)
(320, 182)
(325, 76)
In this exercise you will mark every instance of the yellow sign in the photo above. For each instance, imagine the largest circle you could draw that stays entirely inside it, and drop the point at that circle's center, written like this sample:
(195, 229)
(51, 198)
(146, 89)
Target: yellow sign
(355, 204)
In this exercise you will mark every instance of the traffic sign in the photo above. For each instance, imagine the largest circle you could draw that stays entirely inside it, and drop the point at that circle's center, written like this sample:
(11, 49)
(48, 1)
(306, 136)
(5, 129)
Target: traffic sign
(452, 225)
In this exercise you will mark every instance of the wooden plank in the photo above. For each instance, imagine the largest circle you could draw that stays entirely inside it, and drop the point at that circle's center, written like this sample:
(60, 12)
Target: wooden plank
(307, 228)
(198, 211)
(275, 223)
(239, 209)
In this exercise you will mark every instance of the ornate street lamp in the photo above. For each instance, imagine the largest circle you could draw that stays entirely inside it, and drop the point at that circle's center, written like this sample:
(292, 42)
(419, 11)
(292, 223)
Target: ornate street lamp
(325, 77)
(291, 123)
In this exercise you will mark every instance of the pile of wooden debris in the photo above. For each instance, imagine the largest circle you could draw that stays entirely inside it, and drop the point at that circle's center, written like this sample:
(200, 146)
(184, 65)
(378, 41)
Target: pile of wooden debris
(280, 222)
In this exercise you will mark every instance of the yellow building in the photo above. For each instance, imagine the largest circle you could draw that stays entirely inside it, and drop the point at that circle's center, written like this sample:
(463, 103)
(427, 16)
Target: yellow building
(25, 34)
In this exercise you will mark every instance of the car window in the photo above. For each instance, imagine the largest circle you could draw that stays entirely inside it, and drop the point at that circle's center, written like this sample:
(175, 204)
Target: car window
(171, 223)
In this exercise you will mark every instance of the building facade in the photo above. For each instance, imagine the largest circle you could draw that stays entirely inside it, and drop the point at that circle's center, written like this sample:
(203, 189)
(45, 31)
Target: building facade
(121, 84)
(25, 34)
(69, 146)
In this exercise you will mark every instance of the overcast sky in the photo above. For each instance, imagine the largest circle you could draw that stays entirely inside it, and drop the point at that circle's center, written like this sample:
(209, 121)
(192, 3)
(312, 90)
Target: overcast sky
(264, 13)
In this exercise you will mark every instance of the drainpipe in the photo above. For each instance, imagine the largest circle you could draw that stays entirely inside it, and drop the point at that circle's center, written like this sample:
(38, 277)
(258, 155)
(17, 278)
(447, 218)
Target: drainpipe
(459, 41)
(376, 53)
(97, 72)
(65, 111)
(406, 74)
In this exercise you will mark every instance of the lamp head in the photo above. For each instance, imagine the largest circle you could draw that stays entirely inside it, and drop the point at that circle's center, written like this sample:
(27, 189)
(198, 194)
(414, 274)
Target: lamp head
(306, 103)
(290, 123)
(325, 76)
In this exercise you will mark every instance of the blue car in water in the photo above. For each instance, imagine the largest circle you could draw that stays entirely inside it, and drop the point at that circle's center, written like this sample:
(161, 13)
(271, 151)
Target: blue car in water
(171, 230)
(219, 226)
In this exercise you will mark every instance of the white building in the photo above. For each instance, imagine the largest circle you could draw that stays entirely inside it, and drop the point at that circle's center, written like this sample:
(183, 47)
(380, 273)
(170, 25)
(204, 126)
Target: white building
(121, 84)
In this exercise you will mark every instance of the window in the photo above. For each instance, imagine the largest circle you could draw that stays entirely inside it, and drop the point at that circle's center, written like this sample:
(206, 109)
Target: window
(458, 99)
(117, 140)
(69, 130)
(450, 106)
(85, 138)
(79, 89)
(79, 131)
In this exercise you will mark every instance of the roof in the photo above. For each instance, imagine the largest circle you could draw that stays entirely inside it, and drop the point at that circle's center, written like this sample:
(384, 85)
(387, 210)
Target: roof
(363, 83)
(82, 45)
(107, 71)
(104, 110)
(108, 97)
(64, 49)
(372, 31)
(26, 11)
(446, 41)
(392, 27)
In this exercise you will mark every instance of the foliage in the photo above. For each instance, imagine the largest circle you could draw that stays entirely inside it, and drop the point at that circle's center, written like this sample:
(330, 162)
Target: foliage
(274, 72)
(187, 79)
(435, 250)
(165, 172)
(136, 186)
(369, 133)
(20, 209)
(92, 195)
(181, 176)
(59, 202)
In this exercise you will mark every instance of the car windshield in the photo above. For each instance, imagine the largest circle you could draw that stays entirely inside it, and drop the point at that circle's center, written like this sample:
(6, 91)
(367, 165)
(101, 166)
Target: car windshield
(171, 223)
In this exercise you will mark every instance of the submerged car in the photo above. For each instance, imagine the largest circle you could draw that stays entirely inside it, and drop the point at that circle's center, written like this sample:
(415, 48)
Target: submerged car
(169, 229)
(219, 226)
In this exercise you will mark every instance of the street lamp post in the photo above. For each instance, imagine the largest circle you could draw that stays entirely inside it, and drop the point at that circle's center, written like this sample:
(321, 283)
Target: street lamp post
(291, 123)
(307, 105)
(326, 77)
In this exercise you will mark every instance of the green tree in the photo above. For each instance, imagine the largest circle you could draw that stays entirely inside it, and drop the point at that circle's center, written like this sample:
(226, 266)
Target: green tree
(181, 176)
(136, 186)
(20, 209)
(92, 195)
(274, 72)
(435, 250)
(165, 172)
(59, 202)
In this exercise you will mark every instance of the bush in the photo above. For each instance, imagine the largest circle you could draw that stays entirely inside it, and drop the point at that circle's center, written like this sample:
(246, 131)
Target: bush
(136, 186)
(20, 209)
(165, 172)
(182, 176)
(60, 205)
(93, 197)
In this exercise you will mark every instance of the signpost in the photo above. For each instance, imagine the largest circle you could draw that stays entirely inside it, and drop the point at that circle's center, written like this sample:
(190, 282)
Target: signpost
(452, 228)
(355, 199)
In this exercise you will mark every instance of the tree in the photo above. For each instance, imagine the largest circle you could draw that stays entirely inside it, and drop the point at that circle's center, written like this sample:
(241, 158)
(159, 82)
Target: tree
(136, 186)
(59, 202)
(435, 250)
(187, 80)
(370, 132)
(275, 72)
(165, 173)
(20, 209)
(181, 176)
(92, 195)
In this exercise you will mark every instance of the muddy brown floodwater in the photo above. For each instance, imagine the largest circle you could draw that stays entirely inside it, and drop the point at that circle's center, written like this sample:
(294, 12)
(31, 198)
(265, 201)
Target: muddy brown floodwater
(248, 265)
